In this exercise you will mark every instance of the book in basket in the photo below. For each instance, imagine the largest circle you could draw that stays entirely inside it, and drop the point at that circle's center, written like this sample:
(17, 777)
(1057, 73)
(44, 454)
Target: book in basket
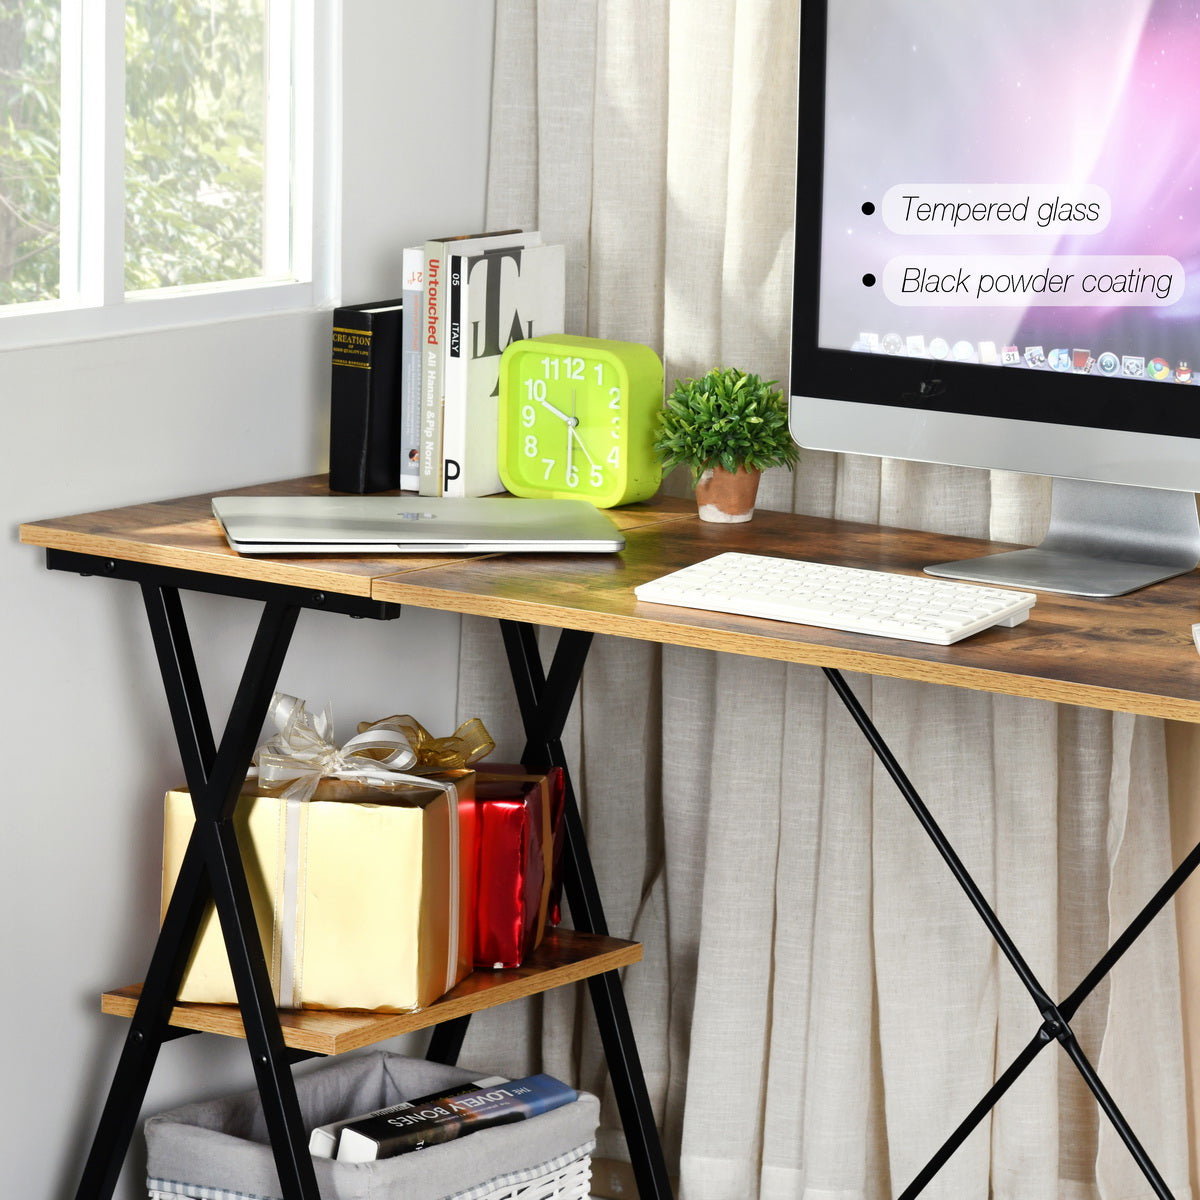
(450, 1117)
(323, 1141)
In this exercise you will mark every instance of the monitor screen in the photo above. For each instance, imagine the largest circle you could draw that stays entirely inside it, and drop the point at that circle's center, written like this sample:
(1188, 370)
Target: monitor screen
(999, 209)
(998, 246)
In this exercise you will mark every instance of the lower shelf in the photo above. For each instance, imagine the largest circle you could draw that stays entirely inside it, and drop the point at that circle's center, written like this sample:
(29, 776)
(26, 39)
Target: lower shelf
(563, 957)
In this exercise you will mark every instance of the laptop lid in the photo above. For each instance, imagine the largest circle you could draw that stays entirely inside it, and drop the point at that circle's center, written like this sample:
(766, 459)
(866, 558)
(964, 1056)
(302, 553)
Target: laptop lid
(411, 524)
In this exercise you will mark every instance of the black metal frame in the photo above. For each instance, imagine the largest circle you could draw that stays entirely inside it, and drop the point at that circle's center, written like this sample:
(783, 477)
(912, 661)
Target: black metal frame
(212, 869)
(1055, 1017)
(545, 701)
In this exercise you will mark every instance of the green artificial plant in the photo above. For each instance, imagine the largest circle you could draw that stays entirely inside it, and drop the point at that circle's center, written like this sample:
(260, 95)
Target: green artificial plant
(726, 418)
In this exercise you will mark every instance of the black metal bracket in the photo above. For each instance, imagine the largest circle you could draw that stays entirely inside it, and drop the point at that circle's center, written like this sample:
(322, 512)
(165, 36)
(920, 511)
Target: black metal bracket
(220, 585)
(212, 869)
(1056, 1018)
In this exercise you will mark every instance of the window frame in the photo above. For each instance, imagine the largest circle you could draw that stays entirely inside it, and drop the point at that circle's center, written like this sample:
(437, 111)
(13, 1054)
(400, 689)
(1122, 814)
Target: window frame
(93, 302)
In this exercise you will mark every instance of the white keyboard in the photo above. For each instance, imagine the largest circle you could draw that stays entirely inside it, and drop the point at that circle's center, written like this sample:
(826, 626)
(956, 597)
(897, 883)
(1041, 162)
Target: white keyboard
(917, 608)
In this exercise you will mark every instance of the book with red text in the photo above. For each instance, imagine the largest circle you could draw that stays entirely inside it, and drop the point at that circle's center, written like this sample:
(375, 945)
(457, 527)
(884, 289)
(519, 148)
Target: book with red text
(435, 322)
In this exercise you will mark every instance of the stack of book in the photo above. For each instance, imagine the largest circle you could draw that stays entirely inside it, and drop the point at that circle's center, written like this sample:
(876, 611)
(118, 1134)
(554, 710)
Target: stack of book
(415, 383)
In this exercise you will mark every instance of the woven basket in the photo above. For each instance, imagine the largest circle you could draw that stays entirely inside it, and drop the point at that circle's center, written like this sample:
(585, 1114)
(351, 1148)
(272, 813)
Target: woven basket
(564, 1178)
(220, 1149)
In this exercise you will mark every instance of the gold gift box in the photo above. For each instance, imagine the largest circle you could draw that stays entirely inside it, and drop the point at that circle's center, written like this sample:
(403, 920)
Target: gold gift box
(364, 897)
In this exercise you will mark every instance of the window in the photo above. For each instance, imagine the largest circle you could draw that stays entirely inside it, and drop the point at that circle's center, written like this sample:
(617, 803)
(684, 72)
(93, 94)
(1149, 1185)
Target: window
(157, 160)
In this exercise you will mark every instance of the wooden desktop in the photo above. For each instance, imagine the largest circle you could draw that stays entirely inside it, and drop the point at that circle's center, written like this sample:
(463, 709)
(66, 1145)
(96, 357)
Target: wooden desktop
(1131, 654)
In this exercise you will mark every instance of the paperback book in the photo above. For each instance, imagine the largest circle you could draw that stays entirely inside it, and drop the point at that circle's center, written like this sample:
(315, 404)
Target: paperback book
(435, 319)
(410, 369)
(323, 1141)
(443, 1120)
(495, 297)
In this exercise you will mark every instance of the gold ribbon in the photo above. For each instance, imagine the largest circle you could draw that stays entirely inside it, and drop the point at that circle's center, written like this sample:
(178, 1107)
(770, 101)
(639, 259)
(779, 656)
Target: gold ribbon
(467, 744)
(303, 752)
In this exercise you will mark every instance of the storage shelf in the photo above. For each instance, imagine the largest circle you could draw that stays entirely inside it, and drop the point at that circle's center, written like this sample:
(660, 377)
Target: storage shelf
(564, 956)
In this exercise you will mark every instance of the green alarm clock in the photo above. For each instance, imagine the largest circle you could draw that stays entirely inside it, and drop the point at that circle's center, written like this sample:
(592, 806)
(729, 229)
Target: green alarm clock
(577, 418)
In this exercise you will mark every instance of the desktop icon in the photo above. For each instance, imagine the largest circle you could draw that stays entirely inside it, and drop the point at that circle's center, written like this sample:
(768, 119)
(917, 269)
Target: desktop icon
(916, 346)
(939, 348)
(1183, 373)
(1108, 363)
(1158, 368)
(1082, 361)
(1035, 356)
(1010, 356)
(1133, 365)
(964, 351)
(892, 343)
(987, 353)
(1059, 359)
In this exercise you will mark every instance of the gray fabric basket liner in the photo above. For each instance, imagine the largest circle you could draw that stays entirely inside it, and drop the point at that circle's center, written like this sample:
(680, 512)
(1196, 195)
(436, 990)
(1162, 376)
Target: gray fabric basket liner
(224, 1144)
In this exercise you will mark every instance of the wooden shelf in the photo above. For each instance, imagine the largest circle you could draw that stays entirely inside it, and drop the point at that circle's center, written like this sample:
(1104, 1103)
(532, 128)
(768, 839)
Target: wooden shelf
(563, 957)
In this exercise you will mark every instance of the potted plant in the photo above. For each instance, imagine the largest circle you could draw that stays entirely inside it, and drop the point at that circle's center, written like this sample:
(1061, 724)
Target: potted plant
(727, 427)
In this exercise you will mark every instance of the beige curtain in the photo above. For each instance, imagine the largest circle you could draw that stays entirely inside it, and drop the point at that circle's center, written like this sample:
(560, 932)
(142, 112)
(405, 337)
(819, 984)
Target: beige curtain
(818, 1006)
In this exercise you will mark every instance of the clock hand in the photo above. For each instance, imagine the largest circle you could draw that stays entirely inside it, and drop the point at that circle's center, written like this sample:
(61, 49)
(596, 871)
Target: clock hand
(582, 447)
(562, 416)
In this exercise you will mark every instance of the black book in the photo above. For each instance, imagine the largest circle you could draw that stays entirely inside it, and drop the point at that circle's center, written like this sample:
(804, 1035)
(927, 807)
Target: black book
(365, 396)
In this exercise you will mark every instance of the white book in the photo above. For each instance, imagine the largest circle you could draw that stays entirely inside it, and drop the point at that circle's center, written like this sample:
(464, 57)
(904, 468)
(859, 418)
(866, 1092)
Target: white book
(413, 274)
(502, 296)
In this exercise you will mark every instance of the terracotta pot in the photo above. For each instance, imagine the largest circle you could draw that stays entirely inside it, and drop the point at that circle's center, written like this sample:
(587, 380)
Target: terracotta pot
(727, 496)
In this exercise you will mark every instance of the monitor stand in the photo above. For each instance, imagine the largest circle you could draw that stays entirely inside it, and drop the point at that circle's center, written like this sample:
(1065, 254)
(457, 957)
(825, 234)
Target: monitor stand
(1104, 539)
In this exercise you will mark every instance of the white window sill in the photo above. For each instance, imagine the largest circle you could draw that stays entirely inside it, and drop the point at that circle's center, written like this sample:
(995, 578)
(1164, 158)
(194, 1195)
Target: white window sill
(50, 323)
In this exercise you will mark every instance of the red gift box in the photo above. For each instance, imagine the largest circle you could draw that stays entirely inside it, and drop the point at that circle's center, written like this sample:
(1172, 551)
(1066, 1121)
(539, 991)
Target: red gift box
(520, 845)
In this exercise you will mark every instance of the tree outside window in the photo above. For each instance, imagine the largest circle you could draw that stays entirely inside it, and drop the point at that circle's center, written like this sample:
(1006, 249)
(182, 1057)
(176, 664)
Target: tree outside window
(30, 124)
(195, 145)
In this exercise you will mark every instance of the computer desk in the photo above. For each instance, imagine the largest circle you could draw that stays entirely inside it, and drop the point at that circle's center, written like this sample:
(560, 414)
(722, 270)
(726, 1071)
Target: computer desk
(1132, 654)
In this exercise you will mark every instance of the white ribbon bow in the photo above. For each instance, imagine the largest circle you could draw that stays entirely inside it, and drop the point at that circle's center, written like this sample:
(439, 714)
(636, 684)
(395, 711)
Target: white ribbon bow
(303, 752)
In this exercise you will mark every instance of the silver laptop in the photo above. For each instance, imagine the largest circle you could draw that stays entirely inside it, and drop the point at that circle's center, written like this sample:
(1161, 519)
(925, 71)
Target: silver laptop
(412, 524)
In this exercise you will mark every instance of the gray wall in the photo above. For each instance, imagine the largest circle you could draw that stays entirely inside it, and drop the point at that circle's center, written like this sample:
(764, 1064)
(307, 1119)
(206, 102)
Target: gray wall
(116, 421)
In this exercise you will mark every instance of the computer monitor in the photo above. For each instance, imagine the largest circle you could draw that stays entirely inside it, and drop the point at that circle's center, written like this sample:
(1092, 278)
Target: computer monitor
(998, 262)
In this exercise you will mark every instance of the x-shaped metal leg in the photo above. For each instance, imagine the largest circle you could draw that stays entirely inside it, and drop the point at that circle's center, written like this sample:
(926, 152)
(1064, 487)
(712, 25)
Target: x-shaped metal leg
(1055, 1017)
(212, 868)
(545, 700)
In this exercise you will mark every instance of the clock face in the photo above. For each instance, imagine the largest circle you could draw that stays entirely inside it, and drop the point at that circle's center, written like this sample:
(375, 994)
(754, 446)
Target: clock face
(577, 419)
